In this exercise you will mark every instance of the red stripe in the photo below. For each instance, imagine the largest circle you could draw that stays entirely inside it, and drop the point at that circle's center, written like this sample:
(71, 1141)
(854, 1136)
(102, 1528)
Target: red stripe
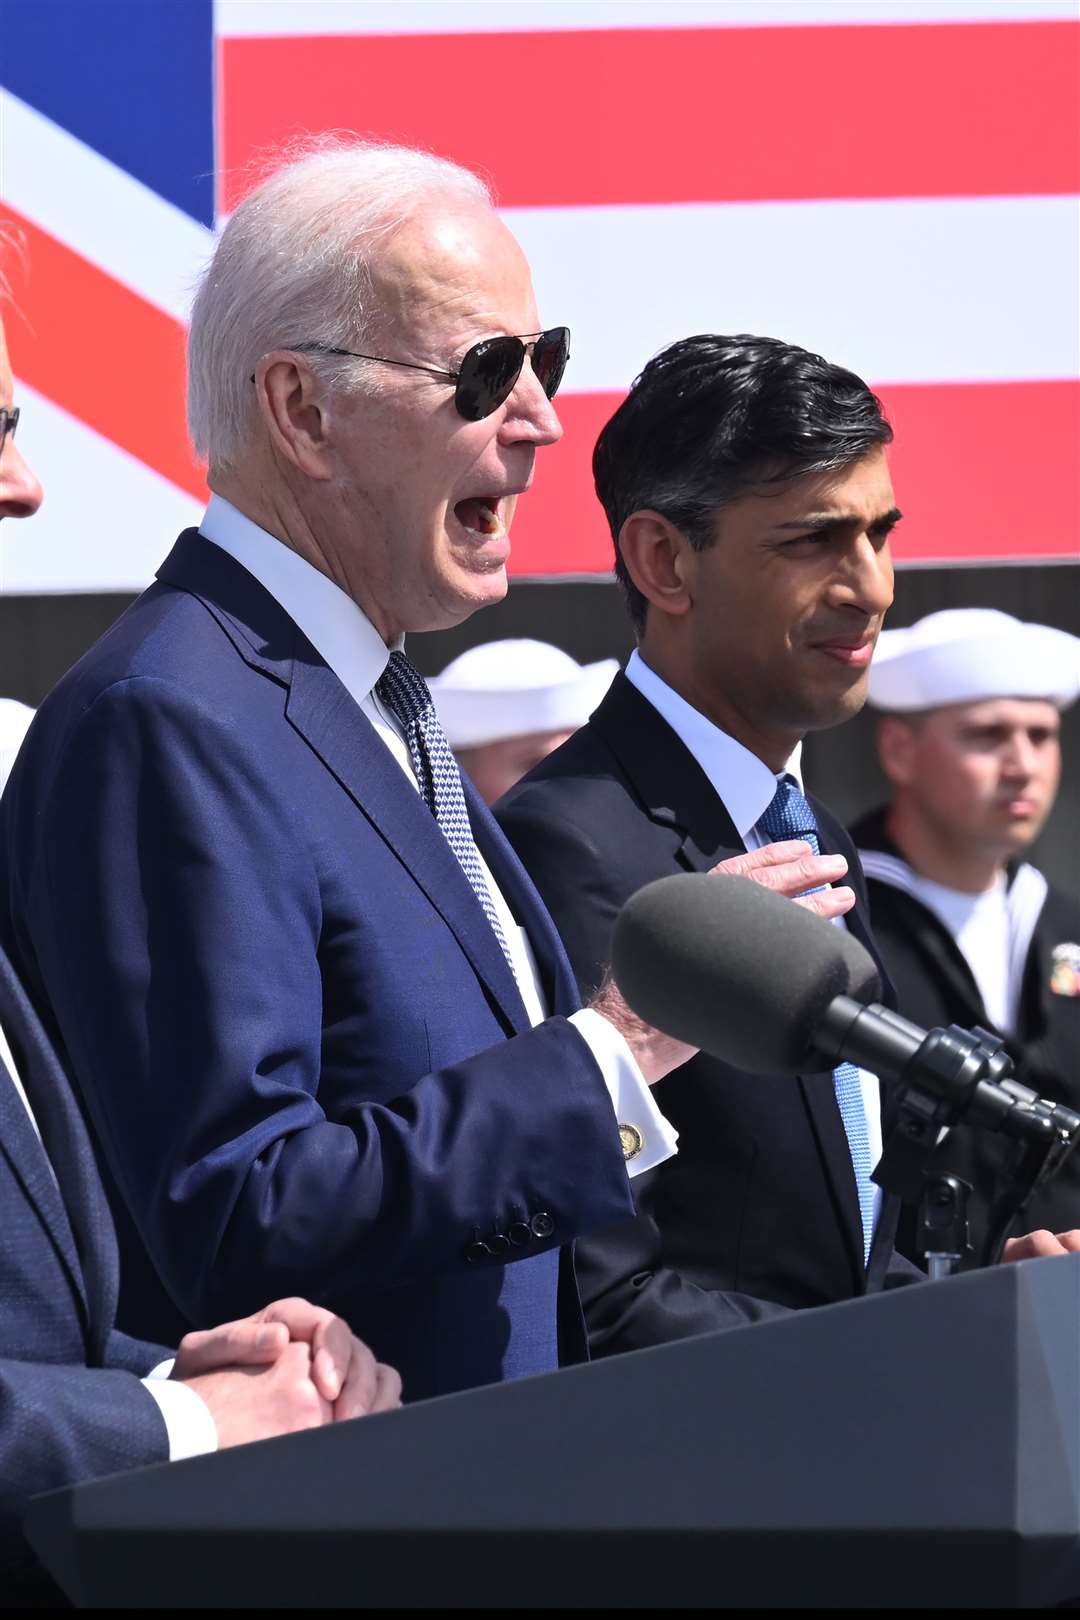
(688, 114)
(104, 354)
(982, 471)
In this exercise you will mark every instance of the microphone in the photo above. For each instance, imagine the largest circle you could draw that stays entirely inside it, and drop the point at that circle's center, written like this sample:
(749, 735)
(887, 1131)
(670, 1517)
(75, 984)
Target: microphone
(726, 965)
(744, 974)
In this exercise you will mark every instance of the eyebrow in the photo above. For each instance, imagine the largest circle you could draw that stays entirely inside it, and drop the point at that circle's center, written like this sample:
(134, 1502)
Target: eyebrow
(817, 522)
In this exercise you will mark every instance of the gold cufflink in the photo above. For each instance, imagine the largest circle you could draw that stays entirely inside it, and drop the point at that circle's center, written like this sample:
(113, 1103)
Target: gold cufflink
(632, 1141)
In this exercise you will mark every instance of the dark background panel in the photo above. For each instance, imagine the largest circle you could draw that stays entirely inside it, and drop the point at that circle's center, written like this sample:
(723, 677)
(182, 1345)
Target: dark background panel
(41, 636)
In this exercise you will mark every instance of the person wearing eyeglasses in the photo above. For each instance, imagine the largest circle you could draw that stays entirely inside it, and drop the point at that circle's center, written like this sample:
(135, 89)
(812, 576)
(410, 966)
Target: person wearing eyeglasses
(77, 1398)
(323, 1029)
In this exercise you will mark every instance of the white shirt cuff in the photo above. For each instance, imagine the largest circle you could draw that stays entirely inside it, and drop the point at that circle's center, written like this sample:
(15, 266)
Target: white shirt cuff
(647, 1137)
(188, 1420)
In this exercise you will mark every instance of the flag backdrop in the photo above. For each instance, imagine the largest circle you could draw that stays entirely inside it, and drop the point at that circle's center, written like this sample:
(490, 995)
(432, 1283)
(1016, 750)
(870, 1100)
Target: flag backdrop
(893, 184)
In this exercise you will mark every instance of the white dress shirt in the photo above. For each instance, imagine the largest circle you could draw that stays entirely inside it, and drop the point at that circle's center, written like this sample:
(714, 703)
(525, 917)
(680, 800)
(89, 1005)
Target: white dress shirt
(15, 721)
(188, 1420)
(745, 787)
(343, 635)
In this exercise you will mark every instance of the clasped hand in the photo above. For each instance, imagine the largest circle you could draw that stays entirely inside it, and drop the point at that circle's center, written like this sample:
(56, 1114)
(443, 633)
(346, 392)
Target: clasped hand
(290, 1366)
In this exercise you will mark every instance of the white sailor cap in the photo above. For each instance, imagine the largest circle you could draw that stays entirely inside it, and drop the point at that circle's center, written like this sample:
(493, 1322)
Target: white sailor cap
(515, 687)
(963, 655)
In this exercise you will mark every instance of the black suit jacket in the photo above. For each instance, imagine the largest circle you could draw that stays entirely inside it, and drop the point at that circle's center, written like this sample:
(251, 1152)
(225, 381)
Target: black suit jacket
(70, 1407)
(935, 986)
(758, 1211)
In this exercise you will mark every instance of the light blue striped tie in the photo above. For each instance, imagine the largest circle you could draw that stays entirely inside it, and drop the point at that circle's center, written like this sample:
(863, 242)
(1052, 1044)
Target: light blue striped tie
(790, 816)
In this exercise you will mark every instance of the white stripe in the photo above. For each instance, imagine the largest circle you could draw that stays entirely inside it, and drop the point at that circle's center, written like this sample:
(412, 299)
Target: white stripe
(248, 18)
(107, 519)
(1027, 896)
(69, 190)
(889, 869)
(903, 290)
(951, 289)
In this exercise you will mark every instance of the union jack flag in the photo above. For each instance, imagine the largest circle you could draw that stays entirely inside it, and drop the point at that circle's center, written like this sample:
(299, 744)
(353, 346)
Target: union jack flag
(890, 182)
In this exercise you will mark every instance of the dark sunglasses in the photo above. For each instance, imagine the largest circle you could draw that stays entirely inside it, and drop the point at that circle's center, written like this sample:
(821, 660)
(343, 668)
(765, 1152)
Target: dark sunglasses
(489, 370)
(9, 421)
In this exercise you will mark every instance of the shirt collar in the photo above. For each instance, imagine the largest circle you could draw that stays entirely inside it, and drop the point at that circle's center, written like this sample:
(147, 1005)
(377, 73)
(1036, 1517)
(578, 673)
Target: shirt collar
(338, 630)
(744, 784)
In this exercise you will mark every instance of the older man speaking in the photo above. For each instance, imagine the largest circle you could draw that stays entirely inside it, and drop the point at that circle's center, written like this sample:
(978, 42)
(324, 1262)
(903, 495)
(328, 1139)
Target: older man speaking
(302, 981)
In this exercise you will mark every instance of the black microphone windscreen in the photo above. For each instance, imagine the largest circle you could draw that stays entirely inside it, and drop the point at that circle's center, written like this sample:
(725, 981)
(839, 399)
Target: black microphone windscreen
(729, 966)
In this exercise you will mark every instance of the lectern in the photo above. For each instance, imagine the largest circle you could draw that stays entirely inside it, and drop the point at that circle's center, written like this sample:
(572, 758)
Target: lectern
(915, 1448)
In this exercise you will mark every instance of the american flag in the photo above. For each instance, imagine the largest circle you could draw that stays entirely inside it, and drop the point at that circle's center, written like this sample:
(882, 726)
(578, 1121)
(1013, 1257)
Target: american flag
(890, 182)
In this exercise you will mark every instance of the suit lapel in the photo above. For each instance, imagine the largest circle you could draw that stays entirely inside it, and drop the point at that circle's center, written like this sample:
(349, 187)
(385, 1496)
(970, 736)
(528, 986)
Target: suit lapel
(676, 793)
(670, 784)
(78, 1221)
(320, 709)
(556, 974)
(344, 739)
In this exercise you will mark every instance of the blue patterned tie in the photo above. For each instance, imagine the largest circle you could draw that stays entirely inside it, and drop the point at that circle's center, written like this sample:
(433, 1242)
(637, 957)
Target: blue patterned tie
(790, 816)
(405, 692)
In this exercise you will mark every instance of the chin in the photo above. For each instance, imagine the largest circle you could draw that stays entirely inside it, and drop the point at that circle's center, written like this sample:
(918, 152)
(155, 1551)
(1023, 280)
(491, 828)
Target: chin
(1020, 835)
(469, 591)
(834, 710)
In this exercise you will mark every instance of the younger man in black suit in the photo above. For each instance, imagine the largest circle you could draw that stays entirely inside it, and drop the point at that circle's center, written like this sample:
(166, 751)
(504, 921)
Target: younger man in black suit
(748, 494)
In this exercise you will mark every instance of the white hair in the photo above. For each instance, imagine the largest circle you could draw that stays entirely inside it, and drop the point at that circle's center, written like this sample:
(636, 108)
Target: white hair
(12, 246)
(292, 267)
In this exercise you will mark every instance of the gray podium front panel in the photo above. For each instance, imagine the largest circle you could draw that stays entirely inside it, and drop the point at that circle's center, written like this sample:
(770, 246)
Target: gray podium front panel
(915, 1448)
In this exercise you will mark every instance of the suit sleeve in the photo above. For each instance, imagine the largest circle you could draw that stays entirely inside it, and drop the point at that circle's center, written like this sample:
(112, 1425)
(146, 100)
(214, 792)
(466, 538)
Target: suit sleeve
(62, 1425)
(136, 1356)
(631, 1297)
(177, 918)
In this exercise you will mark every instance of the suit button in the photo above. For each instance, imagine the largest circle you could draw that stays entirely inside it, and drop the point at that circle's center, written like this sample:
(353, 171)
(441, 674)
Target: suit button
(476, 1251)
(542, 1225)
(498, 1244)
(521, 1234)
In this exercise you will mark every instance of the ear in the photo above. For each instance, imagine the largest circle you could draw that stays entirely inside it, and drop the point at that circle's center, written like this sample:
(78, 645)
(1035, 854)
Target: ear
(655, 553)
(897, 744)
(292, 404)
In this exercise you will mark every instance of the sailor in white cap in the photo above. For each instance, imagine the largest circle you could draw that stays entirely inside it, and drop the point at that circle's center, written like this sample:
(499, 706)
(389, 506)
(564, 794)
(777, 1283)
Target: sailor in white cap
(972, 933)
(506, 705)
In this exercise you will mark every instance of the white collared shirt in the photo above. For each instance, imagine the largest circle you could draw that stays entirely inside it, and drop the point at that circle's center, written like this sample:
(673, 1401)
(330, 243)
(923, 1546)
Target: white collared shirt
(346, 639)
(745, 787)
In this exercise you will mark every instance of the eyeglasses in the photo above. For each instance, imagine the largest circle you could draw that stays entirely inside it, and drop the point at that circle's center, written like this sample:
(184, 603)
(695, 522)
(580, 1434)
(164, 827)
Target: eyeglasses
(489, 370)
(9, 421)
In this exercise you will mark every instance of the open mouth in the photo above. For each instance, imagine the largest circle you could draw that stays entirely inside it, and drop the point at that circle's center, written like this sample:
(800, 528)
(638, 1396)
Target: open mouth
(482, 515)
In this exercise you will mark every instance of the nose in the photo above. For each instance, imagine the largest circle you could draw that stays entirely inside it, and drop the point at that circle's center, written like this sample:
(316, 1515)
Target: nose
(866, 578)
(20, 492)
(530, 416)
(1020, 757)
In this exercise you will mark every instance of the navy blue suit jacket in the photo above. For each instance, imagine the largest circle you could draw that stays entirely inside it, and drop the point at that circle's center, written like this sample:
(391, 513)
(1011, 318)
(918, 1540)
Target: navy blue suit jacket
(70, 1408)
(305, 1059)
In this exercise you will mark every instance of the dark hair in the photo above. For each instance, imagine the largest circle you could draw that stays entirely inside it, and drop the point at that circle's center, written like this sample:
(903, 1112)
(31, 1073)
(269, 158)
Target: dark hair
(712, 417)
